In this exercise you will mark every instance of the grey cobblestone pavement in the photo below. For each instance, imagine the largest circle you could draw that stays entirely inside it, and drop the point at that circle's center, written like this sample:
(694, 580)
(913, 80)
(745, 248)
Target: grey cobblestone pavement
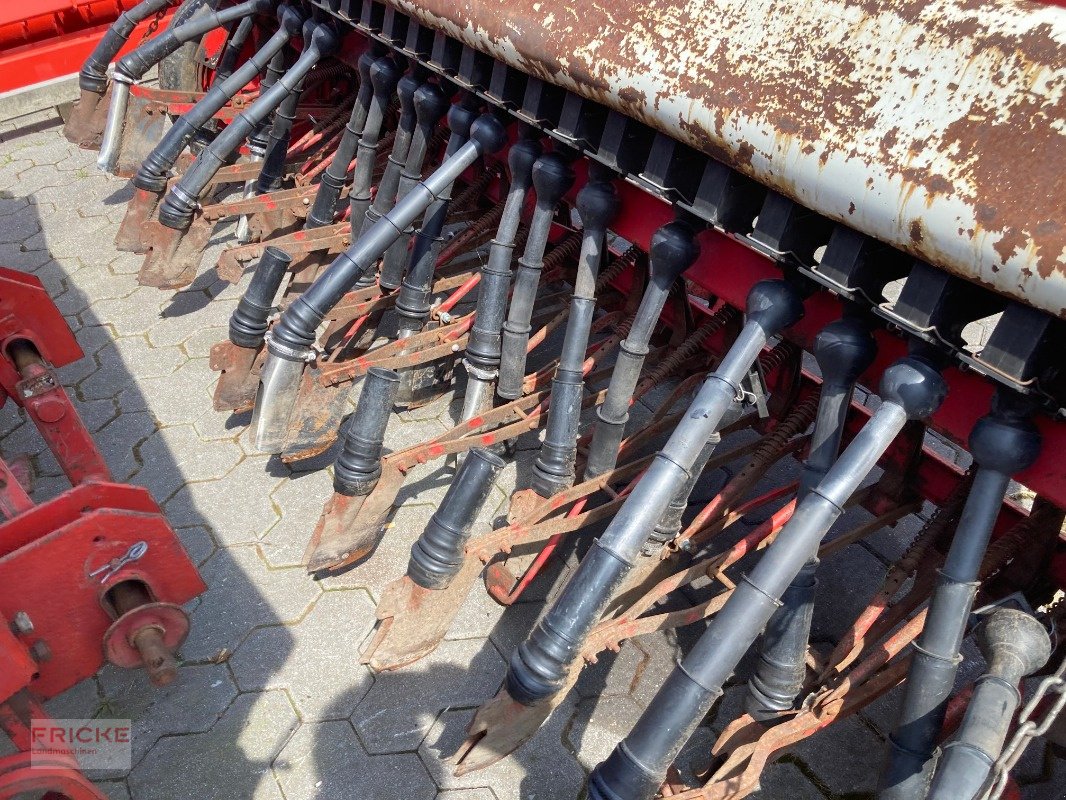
(272, 701)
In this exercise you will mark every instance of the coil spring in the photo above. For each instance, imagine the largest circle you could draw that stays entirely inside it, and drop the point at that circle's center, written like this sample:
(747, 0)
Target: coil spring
(617, 266)
(691, 345)
(938, 524)
(795, 422)
(567, 249)
(470, 193)
(1005, 547)
(324, 72)
(782, 352)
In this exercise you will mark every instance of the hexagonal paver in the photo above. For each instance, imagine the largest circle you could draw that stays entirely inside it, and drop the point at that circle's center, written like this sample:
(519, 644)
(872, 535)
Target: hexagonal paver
(198, 542)
(186, 315)
(326, 762)
(222, 424)
(200, 343)
(237, 506)
(181, 396)
(236, 752)
(299, 500)
(598, 725)
(172, 457)
(192, 703)
(316, 659)
(401, 707)
(243, 594)
(118, 439)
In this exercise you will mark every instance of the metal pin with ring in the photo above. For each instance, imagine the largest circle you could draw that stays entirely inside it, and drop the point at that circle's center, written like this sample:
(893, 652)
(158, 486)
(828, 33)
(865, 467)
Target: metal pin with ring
(136, 551)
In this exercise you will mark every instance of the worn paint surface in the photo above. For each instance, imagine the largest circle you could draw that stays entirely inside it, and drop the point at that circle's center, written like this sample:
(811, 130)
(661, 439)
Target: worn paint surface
(937, 126)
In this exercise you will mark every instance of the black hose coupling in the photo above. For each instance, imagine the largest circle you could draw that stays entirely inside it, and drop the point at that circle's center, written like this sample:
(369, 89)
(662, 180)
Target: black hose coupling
(553, 471)
(384, 75)
(248, 323)
(358, 466)
(552, 178)
(93, 74)
(437, 556)
(298, 323)
(674, 249)
(416, 290)
(483, 349)
(135, 64)
(180, 204)
(430, 106)
(336, 175)
(153, 172)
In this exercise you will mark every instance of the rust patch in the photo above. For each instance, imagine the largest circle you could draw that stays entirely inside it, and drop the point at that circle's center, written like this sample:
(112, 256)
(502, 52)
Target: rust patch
(1026, 182)
(719, 83)
(916, 231)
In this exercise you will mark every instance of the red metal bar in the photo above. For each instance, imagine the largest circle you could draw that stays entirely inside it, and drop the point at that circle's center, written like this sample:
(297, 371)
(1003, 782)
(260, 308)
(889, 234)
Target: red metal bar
(62, 54)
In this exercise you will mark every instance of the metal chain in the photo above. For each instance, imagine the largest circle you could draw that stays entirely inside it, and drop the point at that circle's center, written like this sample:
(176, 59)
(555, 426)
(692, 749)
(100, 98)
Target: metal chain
(1029, 728)
(153, 26)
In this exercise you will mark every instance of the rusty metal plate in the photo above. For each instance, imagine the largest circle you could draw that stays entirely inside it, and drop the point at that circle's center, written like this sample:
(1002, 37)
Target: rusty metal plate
(938, 127)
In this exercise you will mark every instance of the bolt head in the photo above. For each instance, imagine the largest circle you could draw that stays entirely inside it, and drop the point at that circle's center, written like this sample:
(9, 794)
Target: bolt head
(21, 623)
(41, 651)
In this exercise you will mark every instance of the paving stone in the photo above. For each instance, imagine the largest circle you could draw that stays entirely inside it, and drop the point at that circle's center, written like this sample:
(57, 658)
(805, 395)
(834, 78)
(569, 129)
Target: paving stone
(16, 255)
(43, 150)
(81, 701)
(95, 414)
(200, 343)
(10, 167)
(243, 594)
(468, 794)
(638, 669)
(46, 488)
(191, 704)
(786, 780)
(187, 315)
(132, 315)
(408, 434)
(181, 396)
(401, 706)
(174, 456)
(128, 357)
(236, 752)
(24, 438)
(99, 284)
(326, 762)
(53, 277)
(299, 500)
(541, 769)
(115, 790)
(67, 243)
(848, 579)
(316, 659)
(598, 724)
(71, 303)
(198, 543)
(222, 424)
(126, 264)
(478, 616)
(21, 225)
(846, 761)
(13, 205)
(118, 440)
(237, 506)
